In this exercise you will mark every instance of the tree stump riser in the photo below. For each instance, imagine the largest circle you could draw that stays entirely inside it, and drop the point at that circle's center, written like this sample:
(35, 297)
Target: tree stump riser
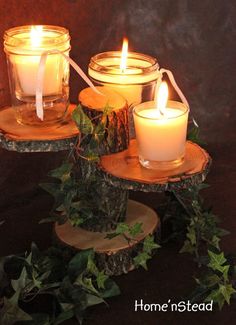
(110, 207)
(117, 125)
(114, 255)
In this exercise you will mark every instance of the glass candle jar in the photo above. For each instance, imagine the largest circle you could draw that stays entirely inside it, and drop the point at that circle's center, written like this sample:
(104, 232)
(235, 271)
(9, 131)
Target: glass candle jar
(161, 138)
(136, 83)
(24, 46)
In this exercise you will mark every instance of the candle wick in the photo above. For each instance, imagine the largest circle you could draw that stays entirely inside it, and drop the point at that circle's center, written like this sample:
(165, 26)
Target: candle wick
(162, 113)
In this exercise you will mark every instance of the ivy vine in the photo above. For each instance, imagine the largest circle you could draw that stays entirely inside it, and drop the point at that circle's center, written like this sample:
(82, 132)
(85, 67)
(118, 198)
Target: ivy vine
(69, 284)
(73, 282)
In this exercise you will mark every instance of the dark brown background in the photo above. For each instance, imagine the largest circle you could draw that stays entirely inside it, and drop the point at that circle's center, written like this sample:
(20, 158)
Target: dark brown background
(196, 40)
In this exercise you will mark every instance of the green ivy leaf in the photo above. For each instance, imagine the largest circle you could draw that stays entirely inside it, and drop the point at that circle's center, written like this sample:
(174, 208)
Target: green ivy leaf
(215, 241)
(217, 297)
(216, 261)
(91, 266)
(82, 121)
(75, 220)
(121, 229)
(111, 289)
(141, 260)
(222, 232)
(135, 230)
(225, 271)
(101, 279)
(99, 132)
(221, 294)
(93, 300)
(53, 189)
(149, 244)
(212, 280)
(10, 313)
(86, 283)
(191, 235)
(21, 282)
(227, 291)
(187, 247)
(63, 172)
(79, 262)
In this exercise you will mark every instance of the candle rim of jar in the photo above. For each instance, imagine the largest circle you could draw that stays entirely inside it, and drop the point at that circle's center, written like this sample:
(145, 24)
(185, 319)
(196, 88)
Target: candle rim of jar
(96, 66)
(12, 41)
(177, 105)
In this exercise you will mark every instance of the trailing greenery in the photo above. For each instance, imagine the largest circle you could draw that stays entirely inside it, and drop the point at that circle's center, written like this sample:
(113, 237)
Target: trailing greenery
(70, 285)
(218, 283)
(78, 200)
(74, 200)
(146, 253)
(92, 132)
(130, 233)
(187, 214)
(202, 240)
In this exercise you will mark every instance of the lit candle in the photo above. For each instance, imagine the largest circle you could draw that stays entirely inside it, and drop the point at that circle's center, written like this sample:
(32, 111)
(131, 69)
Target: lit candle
(132, 75)
(27, 65)
(161, 131)
(24, 47)
(126, 82)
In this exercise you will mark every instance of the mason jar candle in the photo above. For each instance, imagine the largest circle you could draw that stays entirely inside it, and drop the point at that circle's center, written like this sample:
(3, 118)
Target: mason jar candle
(161, 134)
(133, 77)
(24, 47)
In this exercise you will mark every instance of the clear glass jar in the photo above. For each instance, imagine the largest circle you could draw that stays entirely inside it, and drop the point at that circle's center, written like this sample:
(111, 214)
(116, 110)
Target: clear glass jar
(136, 83)
(24, 46)
(161, 138)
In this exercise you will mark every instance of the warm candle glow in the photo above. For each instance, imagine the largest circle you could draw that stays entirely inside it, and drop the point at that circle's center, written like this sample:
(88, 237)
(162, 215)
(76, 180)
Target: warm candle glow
(124, 55)
(162, 98)
(36, 35)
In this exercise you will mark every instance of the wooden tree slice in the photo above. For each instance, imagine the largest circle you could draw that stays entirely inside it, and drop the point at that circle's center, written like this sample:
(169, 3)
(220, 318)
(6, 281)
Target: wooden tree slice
(124, 170)
(113, 255)
(25, 138)
(117, 134)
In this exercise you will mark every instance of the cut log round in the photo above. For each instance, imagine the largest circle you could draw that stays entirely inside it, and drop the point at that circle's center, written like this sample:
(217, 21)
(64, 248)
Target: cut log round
(114, 255)
(123, 170)
(26, 138)
(117, 129)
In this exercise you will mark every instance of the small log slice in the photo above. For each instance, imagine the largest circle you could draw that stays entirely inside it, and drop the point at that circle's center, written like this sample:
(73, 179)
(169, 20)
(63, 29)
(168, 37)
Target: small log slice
(114, 255)
(123, 170)
(26, 138)
(117, 128)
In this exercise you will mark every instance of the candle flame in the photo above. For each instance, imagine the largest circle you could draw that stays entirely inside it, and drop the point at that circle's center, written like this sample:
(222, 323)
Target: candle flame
(124, 55)
(162, 97)
(36, 35)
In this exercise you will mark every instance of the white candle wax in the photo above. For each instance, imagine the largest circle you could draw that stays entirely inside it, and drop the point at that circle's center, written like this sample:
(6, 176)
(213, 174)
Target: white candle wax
(27, 71)
(27, 59)
(161, 138)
